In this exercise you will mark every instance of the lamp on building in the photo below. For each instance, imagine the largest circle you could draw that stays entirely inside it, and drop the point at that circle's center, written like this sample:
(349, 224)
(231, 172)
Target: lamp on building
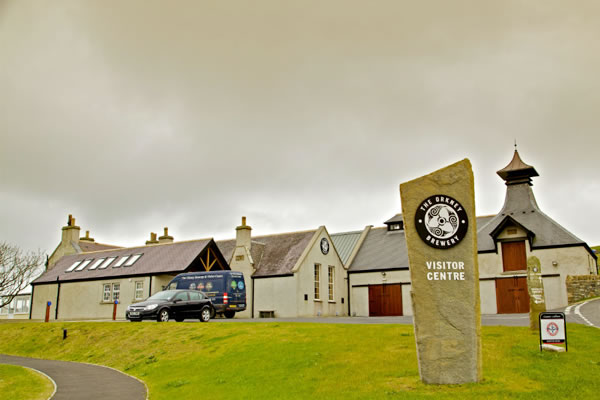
(383, 276)
(555, 263)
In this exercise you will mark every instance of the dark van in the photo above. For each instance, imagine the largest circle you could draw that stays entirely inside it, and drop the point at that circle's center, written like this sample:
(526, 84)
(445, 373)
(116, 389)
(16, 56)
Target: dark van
(226, 289)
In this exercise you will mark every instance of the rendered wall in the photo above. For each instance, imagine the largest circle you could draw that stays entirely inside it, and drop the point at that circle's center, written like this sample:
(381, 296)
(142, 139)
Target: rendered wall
(275, 294)
(305, 282)
(360, 292)
(41, 295)
(562, 261)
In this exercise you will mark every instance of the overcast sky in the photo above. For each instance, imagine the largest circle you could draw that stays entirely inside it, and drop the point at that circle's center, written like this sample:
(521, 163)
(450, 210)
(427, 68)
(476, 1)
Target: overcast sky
(137, 115)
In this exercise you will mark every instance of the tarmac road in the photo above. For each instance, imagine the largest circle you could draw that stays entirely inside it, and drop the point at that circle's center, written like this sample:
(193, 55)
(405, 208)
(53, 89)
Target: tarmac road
(75, 381)
(586, 313)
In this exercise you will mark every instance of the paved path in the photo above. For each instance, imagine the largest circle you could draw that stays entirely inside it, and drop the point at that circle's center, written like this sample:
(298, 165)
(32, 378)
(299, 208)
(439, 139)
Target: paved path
(76, 381)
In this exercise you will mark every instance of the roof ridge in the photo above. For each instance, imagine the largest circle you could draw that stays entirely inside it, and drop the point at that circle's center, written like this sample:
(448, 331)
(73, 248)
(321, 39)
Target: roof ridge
(345, 233)
(148, 245)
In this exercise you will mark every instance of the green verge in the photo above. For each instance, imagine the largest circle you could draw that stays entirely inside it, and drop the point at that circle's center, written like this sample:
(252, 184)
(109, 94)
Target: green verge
(308, 360)
(18, 383)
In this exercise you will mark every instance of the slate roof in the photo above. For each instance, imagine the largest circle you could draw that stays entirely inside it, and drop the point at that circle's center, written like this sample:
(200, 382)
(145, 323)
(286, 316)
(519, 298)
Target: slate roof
(520, 205)
(395, 219)
(156, 259)
(381, 250)
(93, 246)
(344, 243)
(273, 255)
(386, 250)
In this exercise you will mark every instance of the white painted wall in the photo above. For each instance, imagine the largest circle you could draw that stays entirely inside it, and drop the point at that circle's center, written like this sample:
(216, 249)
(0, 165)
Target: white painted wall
(360, 294)
(487, 295)
(275, 294)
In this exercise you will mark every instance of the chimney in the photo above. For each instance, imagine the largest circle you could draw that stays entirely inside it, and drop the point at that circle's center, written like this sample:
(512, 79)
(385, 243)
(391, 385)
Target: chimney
(165, 238)
(152, 239)
(87, 237)
(243, 235)
(70, 233)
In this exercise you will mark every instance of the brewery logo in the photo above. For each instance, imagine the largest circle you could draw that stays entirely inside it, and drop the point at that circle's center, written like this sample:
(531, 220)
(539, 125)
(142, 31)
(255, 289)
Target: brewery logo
(441, 221)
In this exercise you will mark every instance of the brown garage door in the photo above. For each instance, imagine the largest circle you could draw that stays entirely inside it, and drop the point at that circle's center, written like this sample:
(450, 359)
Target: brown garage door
(512, 296)
(385, 300)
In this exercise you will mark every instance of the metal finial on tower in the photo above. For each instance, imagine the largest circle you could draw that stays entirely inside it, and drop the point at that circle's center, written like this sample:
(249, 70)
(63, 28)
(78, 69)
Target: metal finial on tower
(515, 144)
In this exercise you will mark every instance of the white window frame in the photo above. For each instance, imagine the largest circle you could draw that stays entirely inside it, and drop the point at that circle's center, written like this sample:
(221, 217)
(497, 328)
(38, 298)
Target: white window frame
(139, 290)
(331, 282)
(106, 294)
(317, 282)
(116, 291)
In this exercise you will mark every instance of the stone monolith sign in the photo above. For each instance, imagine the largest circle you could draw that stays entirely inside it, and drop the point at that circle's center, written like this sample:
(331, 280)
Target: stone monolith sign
(535, 286)
(441, 236)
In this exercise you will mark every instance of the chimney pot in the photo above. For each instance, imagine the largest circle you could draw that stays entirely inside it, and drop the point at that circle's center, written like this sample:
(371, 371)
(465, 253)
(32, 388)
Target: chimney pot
(243, 221)
(166, 238)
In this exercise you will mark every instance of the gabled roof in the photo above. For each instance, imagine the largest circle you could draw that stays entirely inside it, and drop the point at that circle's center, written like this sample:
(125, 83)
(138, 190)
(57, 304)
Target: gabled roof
(344, 243)
(521, 208)
(156, 259)
(395, 219)
(381, 250)
(273, 255)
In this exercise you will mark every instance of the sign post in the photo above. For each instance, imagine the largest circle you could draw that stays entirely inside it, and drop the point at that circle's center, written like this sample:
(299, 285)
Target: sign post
(535, 286)
(441, 237)
(553, 329)
(48, 304)
(115, 310)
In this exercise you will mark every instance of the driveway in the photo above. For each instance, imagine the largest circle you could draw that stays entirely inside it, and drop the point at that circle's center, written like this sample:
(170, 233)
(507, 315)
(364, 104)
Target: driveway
(77, 381)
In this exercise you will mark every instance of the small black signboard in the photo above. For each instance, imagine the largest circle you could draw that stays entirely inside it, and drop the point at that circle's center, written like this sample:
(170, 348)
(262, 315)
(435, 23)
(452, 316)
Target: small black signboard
(553, 328)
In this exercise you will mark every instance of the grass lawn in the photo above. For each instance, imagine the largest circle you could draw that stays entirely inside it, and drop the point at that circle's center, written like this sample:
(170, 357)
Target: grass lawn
(306, 360)
(18, 383)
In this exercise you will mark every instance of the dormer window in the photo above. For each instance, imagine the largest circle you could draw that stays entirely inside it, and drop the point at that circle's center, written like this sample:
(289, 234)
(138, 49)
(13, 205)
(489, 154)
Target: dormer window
(397, 226)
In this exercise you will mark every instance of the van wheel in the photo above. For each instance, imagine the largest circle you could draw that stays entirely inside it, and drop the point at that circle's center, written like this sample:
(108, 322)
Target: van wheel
(163, 315)
(205, 314)
(229, 314)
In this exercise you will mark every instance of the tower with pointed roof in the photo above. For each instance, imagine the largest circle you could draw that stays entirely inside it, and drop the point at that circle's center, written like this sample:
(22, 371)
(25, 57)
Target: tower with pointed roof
(521, 230)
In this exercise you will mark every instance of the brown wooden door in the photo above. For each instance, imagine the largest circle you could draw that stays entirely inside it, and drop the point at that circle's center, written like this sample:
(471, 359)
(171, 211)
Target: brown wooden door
(385, 300)
(512, 296)
(513, 256)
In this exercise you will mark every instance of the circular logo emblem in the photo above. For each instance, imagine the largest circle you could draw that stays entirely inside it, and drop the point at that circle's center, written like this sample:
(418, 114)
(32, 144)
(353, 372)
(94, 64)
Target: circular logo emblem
(324, 246)
(441, 221)
(552, 329)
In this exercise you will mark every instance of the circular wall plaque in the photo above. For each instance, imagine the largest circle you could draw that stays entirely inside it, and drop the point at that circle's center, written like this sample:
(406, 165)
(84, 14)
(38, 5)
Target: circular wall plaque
(324, 246)
(441, 221)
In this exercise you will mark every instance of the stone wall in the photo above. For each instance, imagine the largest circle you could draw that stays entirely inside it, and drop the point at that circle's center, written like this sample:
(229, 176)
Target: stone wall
(581, 287)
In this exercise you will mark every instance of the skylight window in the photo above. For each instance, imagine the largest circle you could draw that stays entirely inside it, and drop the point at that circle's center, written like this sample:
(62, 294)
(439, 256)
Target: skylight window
(132, 260)
(121, 261)
(72, 267)
(84, 264)
(107, 262)
(97, 263)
